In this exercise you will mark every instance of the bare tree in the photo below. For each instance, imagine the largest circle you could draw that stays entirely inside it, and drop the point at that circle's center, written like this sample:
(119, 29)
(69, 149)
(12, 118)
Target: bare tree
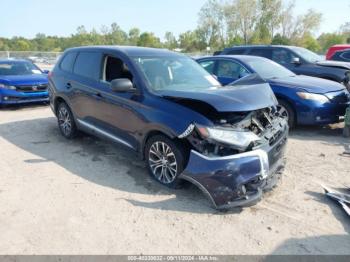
(242, 16)
(211, 23)
(287, 19)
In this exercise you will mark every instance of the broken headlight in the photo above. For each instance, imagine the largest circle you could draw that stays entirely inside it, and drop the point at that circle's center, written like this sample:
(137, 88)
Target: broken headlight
(239, 139)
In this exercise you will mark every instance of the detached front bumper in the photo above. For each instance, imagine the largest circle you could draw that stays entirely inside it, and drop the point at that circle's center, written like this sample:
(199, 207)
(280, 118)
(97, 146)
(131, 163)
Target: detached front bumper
(237, 180)
(8, 97)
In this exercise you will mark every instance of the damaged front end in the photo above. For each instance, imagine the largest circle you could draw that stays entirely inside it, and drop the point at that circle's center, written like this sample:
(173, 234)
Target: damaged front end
(237, 158)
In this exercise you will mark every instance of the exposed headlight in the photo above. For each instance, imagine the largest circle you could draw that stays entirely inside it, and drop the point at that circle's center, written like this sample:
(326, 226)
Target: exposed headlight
(7, 87)
(312, 96)
(240, 139)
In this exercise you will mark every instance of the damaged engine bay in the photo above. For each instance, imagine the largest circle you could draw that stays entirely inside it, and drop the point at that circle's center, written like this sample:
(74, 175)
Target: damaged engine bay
(265, 124)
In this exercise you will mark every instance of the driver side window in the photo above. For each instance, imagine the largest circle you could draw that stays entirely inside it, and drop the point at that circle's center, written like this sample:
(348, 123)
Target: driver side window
(230, 69)
(115, 68)
(282, 56)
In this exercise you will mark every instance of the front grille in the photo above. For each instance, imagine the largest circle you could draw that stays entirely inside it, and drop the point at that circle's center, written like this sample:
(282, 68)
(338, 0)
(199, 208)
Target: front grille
(31, 88)
(341, 97)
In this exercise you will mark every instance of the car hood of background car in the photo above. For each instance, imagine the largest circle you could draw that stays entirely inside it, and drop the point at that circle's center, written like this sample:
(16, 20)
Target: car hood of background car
(236, 98)
(35, 79)
(308, 83)
(338, 64)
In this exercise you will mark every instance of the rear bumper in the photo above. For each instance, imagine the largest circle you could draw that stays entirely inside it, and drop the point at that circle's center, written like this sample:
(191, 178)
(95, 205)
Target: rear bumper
(9, 97)
(237, 180)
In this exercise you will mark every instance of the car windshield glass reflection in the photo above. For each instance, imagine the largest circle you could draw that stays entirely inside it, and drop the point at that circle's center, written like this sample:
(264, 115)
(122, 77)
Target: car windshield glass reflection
(18, 68)
(268, 69)
(307, 54)
(175, 73)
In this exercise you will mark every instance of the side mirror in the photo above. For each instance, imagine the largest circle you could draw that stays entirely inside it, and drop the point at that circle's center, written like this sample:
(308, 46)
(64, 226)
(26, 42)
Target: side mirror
(296, 61)
(46, 72)
(122, 85)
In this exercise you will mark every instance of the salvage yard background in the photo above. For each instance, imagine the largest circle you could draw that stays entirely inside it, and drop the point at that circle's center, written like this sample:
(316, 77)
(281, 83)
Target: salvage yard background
(87, 196)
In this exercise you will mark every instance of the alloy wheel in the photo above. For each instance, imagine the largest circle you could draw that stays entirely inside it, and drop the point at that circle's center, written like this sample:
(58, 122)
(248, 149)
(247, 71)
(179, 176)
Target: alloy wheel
(283, 111)
(162, 162)
(64, 121)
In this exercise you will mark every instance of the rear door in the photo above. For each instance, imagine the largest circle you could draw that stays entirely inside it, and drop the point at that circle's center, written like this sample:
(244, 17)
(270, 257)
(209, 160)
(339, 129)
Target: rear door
(84, 84)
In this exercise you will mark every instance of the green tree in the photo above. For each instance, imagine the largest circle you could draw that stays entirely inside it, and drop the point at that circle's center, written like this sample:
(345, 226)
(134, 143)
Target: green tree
(149, 40)
(270, 18)
(309, 42)
(326, 40)
(211, 23)
(134, 35)
(280, 40)
(241, 17)
(170, 41)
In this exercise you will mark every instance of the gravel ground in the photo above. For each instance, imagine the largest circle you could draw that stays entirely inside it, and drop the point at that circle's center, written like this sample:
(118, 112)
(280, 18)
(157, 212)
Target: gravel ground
(89, 197)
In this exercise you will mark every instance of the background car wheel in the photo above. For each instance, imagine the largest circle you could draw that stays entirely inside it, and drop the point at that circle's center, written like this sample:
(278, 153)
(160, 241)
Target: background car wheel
(66, 121)
(287, 111)
(165, 160)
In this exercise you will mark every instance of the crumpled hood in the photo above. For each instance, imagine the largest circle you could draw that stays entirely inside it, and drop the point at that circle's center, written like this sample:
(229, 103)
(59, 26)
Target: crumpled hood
(308, 83)
(36, 79)
(338, 64)
(236, 98)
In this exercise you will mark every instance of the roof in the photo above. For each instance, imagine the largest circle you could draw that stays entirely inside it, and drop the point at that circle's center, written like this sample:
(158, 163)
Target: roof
(342, 45)
(238, 57)
(129, 50)
(255, 46)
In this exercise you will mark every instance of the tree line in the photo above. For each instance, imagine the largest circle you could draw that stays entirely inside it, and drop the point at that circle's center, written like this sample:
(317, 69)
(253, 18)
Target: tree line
(220, 24)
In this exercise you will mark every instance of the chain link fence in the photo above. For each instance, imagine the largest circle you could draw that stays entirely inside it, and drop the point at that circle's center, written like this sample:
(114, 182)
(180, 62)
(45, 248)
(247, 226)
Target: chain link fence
(45, 60)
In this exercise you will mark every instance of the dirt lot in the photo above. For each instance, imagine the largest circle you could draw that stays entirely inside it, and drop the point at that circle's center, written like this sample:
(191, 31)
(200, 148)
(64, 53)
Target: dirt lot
(89, 197)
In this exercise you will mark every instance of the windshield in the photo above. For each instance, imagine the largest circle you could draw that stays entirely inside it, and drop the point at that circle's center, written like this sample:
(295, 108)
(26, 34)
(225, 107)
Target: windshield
(8, 68)
(178, 73)
(268, 69)
(307, 54)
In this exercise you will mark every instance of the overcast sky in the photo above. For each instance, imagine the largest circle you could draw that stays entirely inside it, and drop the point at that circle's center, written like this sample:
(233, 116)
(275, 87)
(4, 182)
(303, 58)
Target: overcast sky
(62, 17)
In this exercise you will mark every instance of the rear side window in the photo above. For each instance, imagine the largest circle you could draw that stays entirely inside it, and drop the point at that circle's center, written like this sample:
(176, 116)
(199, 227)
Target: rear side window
(68, 62)
(88, 64)
(263, 52)
(236, 52)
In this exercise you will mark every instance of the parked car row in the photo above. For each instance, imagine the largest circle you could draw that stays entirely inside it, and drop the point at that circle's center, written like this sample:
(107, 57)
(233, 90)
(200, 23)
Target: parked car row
(219, 122)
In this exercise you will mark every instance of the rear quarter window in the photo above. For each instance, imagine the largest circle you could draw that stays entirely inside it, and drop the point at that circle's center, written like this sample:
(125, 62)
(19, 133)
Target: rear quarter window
(88, 64)
(346, 55)
(68, 62)
(263, 52)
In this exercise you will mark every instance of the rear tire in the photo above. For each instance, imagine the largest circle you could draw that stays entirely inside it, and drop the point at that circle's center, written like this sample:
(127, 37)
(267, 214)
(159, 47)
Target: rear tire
(286, 110)
(165, 159)
(66, 121)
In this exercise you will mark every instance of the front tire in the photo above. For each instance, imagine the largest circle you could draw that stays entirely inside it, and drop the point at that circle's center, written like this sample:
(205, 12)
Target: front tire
(165, 159)
(66, 121)
(287, 111)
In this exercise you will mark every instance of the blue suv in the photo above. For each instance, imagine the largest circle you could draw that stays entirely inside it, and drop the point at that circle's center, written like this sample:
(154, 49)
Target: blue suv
(228, 141)
(22, 82)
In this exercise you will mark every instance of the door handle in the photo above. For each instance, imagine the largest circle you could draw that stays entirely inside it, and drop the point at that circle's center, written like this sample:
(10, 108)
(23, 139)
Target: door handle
(68, 85)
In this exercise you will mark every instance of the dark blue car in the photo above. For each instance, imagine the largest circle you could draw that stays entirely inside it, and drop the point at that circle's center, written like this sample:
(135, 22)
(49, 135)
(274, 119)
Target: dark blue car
(176, 116)
(304, 100)
(22, 82)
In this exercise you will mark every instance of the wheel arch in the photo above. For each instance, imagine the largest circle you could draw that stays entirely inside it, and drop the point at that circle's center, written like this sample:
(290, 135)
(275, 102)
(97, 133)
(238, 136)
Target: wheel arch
(291, 104)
